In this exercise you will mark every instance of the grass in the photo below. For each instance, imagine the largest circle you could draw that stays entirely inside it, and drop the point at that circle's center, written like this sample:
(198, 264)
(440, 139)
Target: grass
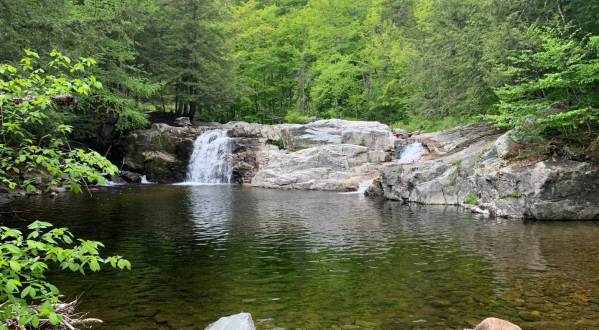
(433, 125)
(472, 198)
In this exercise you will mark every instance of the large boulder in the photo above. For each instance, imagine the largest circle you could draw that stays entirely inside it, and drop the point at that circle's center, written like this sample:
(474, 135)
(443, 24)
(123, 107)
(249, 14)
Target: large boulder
(330, 167)
(241, 321)
(492, 323)
(371, 134)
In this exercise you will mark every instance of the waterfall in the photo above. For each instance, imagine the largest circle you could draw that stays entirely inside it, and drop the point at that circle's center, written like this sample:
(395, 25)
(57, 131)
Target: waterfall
(211, 160)
(412, 153)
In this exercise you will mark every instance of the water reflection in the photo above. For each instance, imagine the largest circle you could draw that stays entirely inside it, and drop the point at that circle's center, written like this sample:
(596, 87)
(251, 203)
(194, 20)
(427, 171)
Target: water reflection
(315, 260)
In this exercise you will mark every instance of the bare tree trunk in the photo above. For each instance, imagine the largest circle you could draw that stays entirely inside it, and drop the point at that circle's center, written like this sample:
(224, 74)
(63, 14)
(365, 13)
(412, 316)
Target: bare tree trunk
(561, 13)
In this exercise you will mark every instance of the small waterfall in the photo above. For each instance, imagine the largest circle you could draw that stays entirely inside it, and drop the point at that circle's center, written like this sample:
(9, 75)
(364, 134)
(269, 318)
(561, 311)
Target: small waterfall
(211, 160)
(412, 153)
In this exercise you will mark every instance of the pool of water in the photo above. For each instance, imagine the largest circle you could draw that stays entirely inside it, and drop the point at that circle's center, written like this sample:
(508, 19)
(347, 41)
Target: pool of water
(319, 260)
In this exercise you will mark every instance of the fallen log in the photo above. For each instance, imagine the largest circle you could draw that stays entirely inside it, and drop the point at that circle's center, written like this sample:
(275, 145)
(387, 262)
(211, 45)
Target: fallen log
(70, 319)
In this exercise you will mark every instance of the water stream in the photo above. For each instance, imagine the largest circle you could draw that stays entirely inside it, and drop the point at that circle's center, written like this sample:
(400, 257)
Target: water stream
(412, 153)
(211, 161)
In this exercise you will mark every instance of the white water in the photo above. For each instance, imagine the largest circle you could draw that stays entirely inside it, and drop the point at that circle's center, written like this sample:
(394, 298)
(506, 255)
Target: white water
(144, 180)
(211, 160)
(361, 189)
(412, 153)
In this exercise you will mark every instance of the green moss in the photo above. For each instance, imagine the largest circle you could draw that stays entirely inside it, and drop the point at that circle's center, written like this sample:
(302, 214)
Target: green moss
(300, 148)
(514, 194)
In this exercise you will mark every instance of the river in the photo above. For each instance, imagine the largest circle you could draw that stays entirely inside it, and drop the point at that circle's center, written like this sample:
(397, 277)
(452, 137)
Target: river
(319, 260)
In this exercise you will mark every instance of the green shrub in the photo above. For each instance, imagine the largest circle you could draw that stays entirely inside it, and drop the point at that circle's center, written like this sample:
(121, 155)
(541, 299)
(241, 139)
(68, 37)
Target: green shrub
(279, 143)
(472, 198)
(25, 259)
(293, 117)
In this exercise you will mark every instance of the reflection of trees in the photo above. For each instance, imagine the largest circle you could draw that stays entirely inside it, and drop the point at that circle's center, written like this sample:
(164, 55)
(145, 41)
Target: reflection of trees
(207, 251)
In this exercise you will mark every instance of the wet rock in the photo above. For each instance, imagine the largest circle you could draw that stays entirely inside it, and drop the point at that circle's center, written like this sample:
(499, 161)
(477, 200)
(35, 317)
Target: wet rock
(117, 179)
(375, 189)
(241, 321)
(58, 190)
(496, 324)
(130, 177)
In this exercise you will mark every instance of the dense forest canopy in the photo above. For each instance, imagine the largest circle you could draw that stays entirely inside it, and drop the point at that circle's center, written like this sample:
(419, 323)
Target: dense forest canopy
(400, 62)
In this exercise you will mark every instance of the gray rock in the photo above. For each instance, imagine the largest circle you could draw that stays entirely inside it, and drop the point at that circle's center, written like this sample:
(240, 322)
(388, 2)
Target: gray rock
(375, 189)
(492, 323)
(58, 190)
(330, 167)
(313, 119)
(401, 133)
(182, 121)
(455, 138)
(117, 179)
(241, 321)
(549, 190)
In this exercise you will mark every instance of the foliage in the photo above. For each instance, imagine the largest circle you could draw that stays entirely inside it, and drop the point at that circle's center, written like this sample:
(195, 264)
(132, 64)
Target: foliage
(279, 143)
(554, 86)
(25, 259)
(33, 135)
(472, 198)
(293, 117)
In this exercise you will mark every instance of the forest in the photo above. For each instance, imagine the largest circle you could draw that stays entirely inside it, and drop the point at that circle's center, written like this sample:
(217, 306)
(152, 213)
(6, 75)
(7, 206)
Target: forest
(416, 64)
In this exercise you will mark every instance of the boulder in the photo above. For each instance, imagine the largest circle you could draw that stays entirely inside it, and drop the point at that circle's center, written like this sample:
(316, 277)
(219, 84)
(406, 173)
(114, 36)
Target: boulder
(459, 137)
(182, 121)
(117, 179)
(130, 177)
(241, 321)
(401, 133)
(58, 190)
(330, 167)
(492, 323)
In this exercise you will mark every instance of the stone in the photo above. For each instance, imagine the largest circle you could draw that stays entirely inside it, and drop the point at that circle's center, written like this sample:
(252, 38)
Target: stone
(548, 190)
(329, 167)
(241, 321)
(401, 133)
(492, 323)
(182, 121)
(456, 138)
(117, 179)
(130, 177)
(375, 189)
(58, 190)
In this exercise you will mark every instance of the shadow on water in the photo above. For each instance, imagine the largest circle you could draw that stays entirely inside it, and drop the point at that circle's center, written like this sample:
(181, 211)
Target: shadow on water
(316, 260)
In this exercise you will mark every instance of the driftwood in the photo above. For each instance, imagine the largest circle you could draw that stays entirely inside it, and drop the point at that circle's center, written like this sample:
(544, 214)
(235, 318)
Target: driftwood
(65, 100)
(70, 319)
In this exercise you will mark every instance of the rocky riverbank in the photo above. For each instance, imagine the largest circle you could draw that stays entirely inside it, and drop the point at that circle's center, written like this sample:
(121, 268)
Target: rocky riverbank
(468, 166)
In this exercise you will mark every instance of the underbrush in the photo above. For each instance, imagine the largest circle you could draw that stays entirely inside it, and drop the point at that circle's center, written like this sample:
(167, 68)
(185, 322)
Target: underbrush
(434, 124)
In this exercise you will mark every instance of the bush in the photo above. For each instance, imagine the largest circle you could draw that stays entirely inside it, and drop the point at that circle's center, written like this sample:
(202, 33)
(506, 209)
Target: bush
(472, 198)
(293, 117)
(23, 262)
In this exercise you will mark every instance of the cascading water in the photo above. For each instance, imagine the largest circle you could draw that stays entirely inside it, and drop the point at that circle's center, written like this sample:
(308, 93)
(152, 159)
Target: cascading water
(412, 153)
(211, 160)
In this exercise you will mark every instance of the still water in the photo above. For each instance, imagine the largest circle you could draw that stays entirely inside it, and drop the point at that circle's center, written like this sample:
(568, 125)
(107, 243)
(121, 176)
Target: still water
(319, 260)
